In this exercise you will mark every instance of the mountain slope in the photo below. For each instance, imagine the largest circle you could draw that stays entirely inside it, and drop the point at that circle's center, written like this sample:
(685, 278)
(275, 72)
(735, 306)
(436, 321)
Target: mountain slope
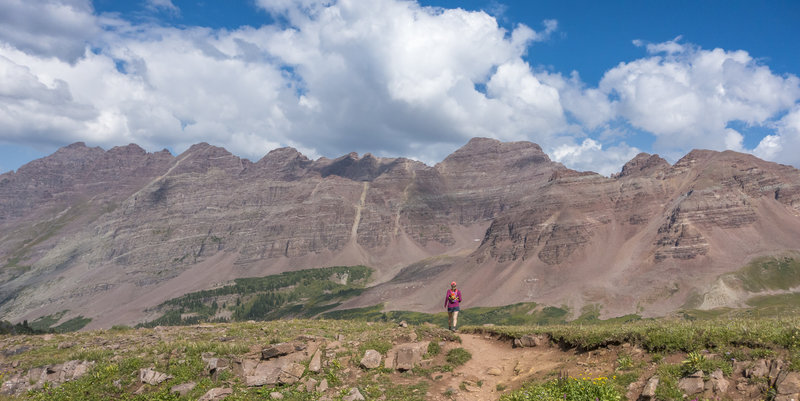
(109, 234)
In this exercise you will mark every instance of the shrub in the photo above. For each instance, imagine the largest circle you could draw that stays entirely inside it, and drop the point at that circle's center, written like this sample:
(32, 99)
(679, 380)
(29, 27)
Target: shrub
(458, 356)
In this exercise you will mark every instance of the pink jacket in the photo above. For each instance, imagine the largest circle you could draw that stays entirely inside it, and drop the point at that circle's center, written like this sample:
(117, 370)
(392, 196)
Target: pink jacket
(455, 301)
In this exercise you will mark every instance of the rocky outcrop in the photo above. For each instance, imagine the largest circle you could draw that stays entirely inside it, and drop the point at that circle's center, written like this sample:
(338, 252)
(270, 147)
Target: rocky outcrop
(53, 375)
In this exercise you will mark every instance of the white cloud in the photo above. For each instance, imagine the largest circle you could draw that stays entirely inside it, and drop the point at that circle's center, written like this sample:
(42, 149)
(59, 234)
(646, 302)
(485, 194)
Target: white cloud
(589, 155)
(163, 5)
(386, 76)
(783, 146)
(48, 28)
(688, 96)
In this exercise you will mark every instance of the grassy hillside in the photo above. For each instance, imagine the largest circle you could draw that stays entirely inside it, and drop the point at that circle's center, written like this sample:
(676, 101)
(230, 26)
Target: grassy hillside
(302, 293)
(671, 349)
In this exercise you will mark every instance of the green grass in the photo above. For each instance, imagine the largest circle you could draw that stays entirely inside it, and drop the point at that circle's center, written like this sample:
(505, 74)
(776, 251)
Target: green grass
(458, 356)
(46, 322)
(299, 294)
(675, 335)
(770, 273)
(73, 324)
(528, 313)
(568, 389)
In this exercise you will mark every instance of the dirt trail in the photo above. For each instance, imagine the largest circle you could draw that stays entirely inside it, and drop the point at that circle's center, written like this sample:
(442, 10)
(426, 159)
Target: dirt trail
(494, 362)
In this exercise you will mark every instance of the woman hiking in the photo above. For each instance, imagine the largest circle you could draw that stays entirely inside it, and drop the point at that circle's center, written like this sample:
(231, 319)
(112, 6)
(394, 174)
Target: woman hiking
(451, 302)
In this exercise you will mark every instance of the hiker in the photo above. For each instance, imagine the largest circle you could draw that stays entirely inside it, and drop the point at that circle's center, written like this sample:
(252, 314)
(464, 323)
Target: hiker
(451, 302)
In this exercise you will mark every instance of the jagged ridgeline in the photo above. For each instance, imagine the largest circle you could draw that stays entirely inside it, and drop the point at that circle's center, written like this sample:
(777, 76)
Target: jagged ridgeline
(301, 293)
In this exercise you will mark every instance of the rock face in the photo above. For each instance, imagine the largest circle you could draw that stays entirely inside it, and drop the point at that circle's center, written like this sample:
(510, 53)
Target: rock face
(123, 230)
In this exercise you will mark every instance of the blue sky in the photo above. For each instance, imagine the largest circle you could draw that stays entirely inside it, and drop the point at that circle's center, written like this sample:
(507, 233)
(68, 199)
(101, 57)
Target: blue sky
(594, 83)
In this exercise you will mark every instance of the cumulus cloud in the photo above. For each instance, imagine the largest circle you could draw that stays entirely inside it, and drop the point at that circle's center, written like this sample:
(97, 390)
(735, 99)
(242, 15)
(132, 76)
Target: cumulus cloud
(386, 76)
(687, 97)
(48, 28)
(589, 155)
(783, 145)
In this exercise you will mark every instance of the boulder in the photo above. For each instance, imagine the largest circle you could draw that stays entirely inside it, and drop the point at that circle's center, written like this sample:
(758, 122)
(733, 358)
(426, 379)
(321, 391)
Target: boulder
(649, 390)
(408, 355)
(316, 362)
(152, 377)
(291, 373)
(183, 389)
(718, 382)
(311, 385)
(276, 350)
(353, 395)
(759, 369)
(262, 375)
(323, 386)
(691, 385)
(371, 359)
(216, 394)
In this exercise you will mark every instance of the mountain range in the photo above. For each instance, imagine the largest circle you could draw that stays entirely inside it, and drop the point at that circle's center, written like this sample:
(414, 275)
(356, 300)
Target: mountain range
(110, 235)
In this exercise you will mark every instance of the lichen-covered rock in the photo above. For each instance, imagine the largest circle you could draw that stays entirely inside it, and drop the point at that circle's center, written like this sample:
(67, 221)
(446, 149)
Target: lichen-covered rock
(152, 377)
(216, 394)
(371, 359)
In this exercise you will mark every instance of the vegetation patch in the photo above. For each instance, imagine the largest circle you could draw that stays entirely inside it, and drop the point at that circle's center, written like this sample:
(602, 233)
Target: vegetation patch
(526, 313)
(302, 293)
(458, 356)
(666, 335)
(569, 389)
(770, 273)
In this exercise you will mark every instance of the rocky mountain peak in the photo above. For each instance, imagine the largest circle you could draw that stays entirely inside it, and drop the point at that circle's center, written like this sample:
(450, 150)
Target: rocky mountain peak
(201, 157)
(284, 163)
(350, 166)
(128, 150)
(644, 164)
(484, 153)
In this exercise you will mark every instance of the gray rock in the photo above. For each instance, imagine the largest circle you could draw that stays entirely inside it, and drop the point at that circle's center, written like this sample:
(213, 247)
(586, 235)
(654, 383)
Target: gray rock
(263, 375)
(391, 358)
(183, 389)
(152, 377)
(775, 368)
(316, 362)
(718, 382)
(277, 350)
(323, 386)
(311, 385)
(371, 359)
(291, 373)
(530, 340)
(353, 395)
(275, 395)
(216, 394)
(759, 369)
(790, 384)
(691, 385)
(649, 390)
(409, 355)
